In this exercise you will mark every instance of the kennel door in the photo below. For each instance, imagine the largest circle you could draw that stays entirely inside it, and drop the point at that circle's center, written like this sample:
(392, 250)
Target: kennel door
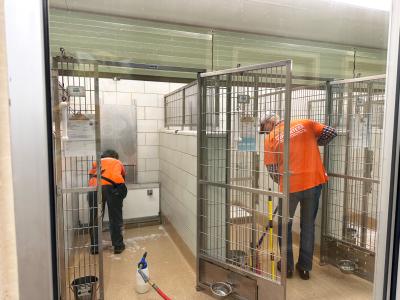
(355, 109)
(238, 238)
(76, 142)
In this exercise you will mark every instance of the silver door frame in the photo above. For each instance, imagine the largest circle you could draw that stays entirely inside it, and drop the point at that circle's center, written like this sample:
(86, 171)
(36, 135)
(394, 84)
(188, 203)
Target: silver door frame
(385, 269)
(29, 130)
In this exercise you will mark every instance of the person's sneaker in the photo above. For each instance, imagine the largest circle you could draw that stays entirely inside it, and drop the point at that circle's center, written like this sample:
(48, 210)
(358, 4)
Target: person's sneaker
(289, 273)
(305, 275)
(119, 250)
(94, 250)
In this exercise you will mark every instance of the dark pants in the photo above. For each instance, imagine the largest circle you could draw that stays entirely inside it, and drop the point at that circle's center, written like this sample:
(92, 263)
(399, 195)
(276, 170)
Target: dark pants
(114, 205)
(309, 200)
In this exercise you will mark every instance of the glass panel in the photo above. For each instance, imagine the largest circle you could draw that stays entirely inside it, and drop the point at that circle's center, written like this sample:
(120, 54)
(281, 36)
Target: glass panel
(133, 68)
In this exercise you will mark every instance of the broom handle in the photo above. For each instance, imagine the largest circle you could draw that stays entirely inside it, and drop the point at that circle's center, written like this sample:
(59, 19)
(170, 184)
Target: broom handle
(271, 237)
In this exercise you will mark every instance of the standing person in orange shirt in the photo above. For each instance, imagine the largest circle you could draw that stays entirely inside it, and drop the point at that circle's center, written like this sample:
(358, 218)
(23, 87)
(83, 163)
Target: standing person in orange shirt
(307, 175)
(113, 193)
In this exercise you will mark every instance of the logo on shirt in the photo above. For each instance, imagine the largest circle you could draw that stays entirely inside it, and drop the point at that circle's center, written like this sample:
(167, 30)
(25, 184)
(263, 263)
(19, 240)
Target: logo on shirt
(294, 131)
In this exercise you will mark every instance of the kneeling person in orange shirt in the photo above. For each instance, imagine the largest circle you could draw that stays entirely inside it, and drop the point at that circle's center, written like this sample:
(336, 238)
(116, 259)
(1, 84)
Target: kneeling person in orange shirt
(113, 193)
(307, 175)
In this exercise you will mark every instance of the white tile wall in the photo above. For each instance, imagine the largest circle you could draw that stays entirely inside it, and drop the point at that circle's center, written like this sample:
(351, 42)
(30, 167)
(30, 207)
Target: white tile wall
(154, 113)
(161, 100)
(156, 87)
(174, 86)
(152, 164)
(124, 98)
(130, 86)
(152, 139)
(178, 184)
(148, 151)
(147, 126)
(141, 139)
(141, 165)
(178, 177)
(149, 100)
(109, 97)
(140, 112)
(148, 176)
(160, 124)
(146, 99)
(106, 84)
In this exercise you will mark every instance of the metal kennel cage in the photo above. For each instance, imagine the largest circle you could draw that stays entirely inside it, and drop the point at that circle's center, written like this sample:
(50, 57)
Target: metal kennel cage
(349, 203)
(180, 107)
(355, 107)
(235, 192)
(76, 101)
(234, 188)
(83, 126)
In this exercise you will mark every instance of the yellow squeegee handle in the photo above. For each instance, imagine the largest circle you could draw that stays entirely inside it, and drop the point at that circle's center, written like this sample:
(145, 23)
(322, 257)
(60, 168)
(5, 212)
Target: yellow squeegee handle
(271, 236)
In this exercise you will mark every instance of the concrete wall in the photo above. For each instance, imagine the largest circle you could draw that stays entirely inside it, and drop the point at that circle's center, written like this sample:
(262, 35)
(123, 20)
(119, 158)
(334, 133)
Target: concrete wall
(178, 175)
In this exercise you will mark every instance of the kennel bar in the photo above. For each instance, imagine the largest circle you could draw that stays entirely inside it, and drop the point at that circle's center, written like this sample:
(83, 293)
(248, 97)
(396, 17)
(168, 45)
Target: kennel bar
(180, 105)
(233, 184)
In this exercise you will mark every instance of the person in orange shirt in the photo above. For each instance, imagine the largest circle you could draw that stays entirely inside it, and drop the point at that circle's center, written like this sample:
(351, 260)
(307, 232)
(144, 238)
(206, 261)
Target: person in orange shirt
(307, 176)
(113, 193)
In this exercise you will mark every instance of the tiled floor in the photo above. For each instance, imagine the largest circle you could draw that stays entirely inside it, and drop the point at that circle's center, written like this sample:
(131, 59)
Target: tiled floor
(328, 283)
(167, 267)
(176, 278)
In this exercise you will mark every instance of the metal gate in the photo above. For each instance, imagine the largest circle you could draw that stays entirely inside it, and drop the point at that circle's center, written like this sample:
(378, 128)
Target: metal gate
(77, 143)
(355, 108)
(76, 138)
(236, 195)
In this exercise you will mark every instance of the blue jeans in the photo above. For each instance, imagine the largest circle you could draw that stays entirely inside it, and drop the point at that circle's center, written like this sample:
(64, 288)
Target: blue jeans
(309, 200)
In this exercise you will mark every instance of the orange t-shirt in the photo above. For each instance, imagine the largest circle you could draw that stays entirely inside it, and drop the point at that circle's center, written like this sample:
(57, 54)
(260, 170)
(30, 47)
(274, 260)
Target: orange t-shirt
(111, 168)
(305, 164)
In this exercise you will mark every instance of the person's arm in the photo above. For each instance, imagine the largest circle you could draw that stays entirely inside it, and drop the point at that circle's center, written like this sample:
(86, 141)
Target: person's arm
(93, 170)
(270, 159)
(325, 134)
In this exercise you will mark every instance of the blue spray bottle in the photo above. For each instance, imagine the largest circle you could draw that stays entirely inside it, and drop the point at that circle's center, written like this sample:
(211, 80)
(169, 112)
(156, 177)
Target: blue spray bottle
(141, 286)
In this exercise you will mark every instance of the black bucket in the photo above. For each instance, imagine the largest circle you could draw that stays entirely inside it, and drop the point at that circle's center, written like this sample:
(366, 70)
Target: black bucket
(85, 288)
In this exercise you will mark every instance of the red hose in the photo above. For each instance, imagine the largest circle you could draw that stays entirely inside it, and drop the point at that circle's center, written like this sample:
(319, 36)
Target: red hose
(161, 293)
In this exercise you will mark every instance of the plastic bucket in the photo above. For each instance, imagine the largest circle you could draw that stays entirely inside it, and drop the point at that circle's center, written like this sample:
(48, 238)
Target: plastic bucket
(85, 288)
